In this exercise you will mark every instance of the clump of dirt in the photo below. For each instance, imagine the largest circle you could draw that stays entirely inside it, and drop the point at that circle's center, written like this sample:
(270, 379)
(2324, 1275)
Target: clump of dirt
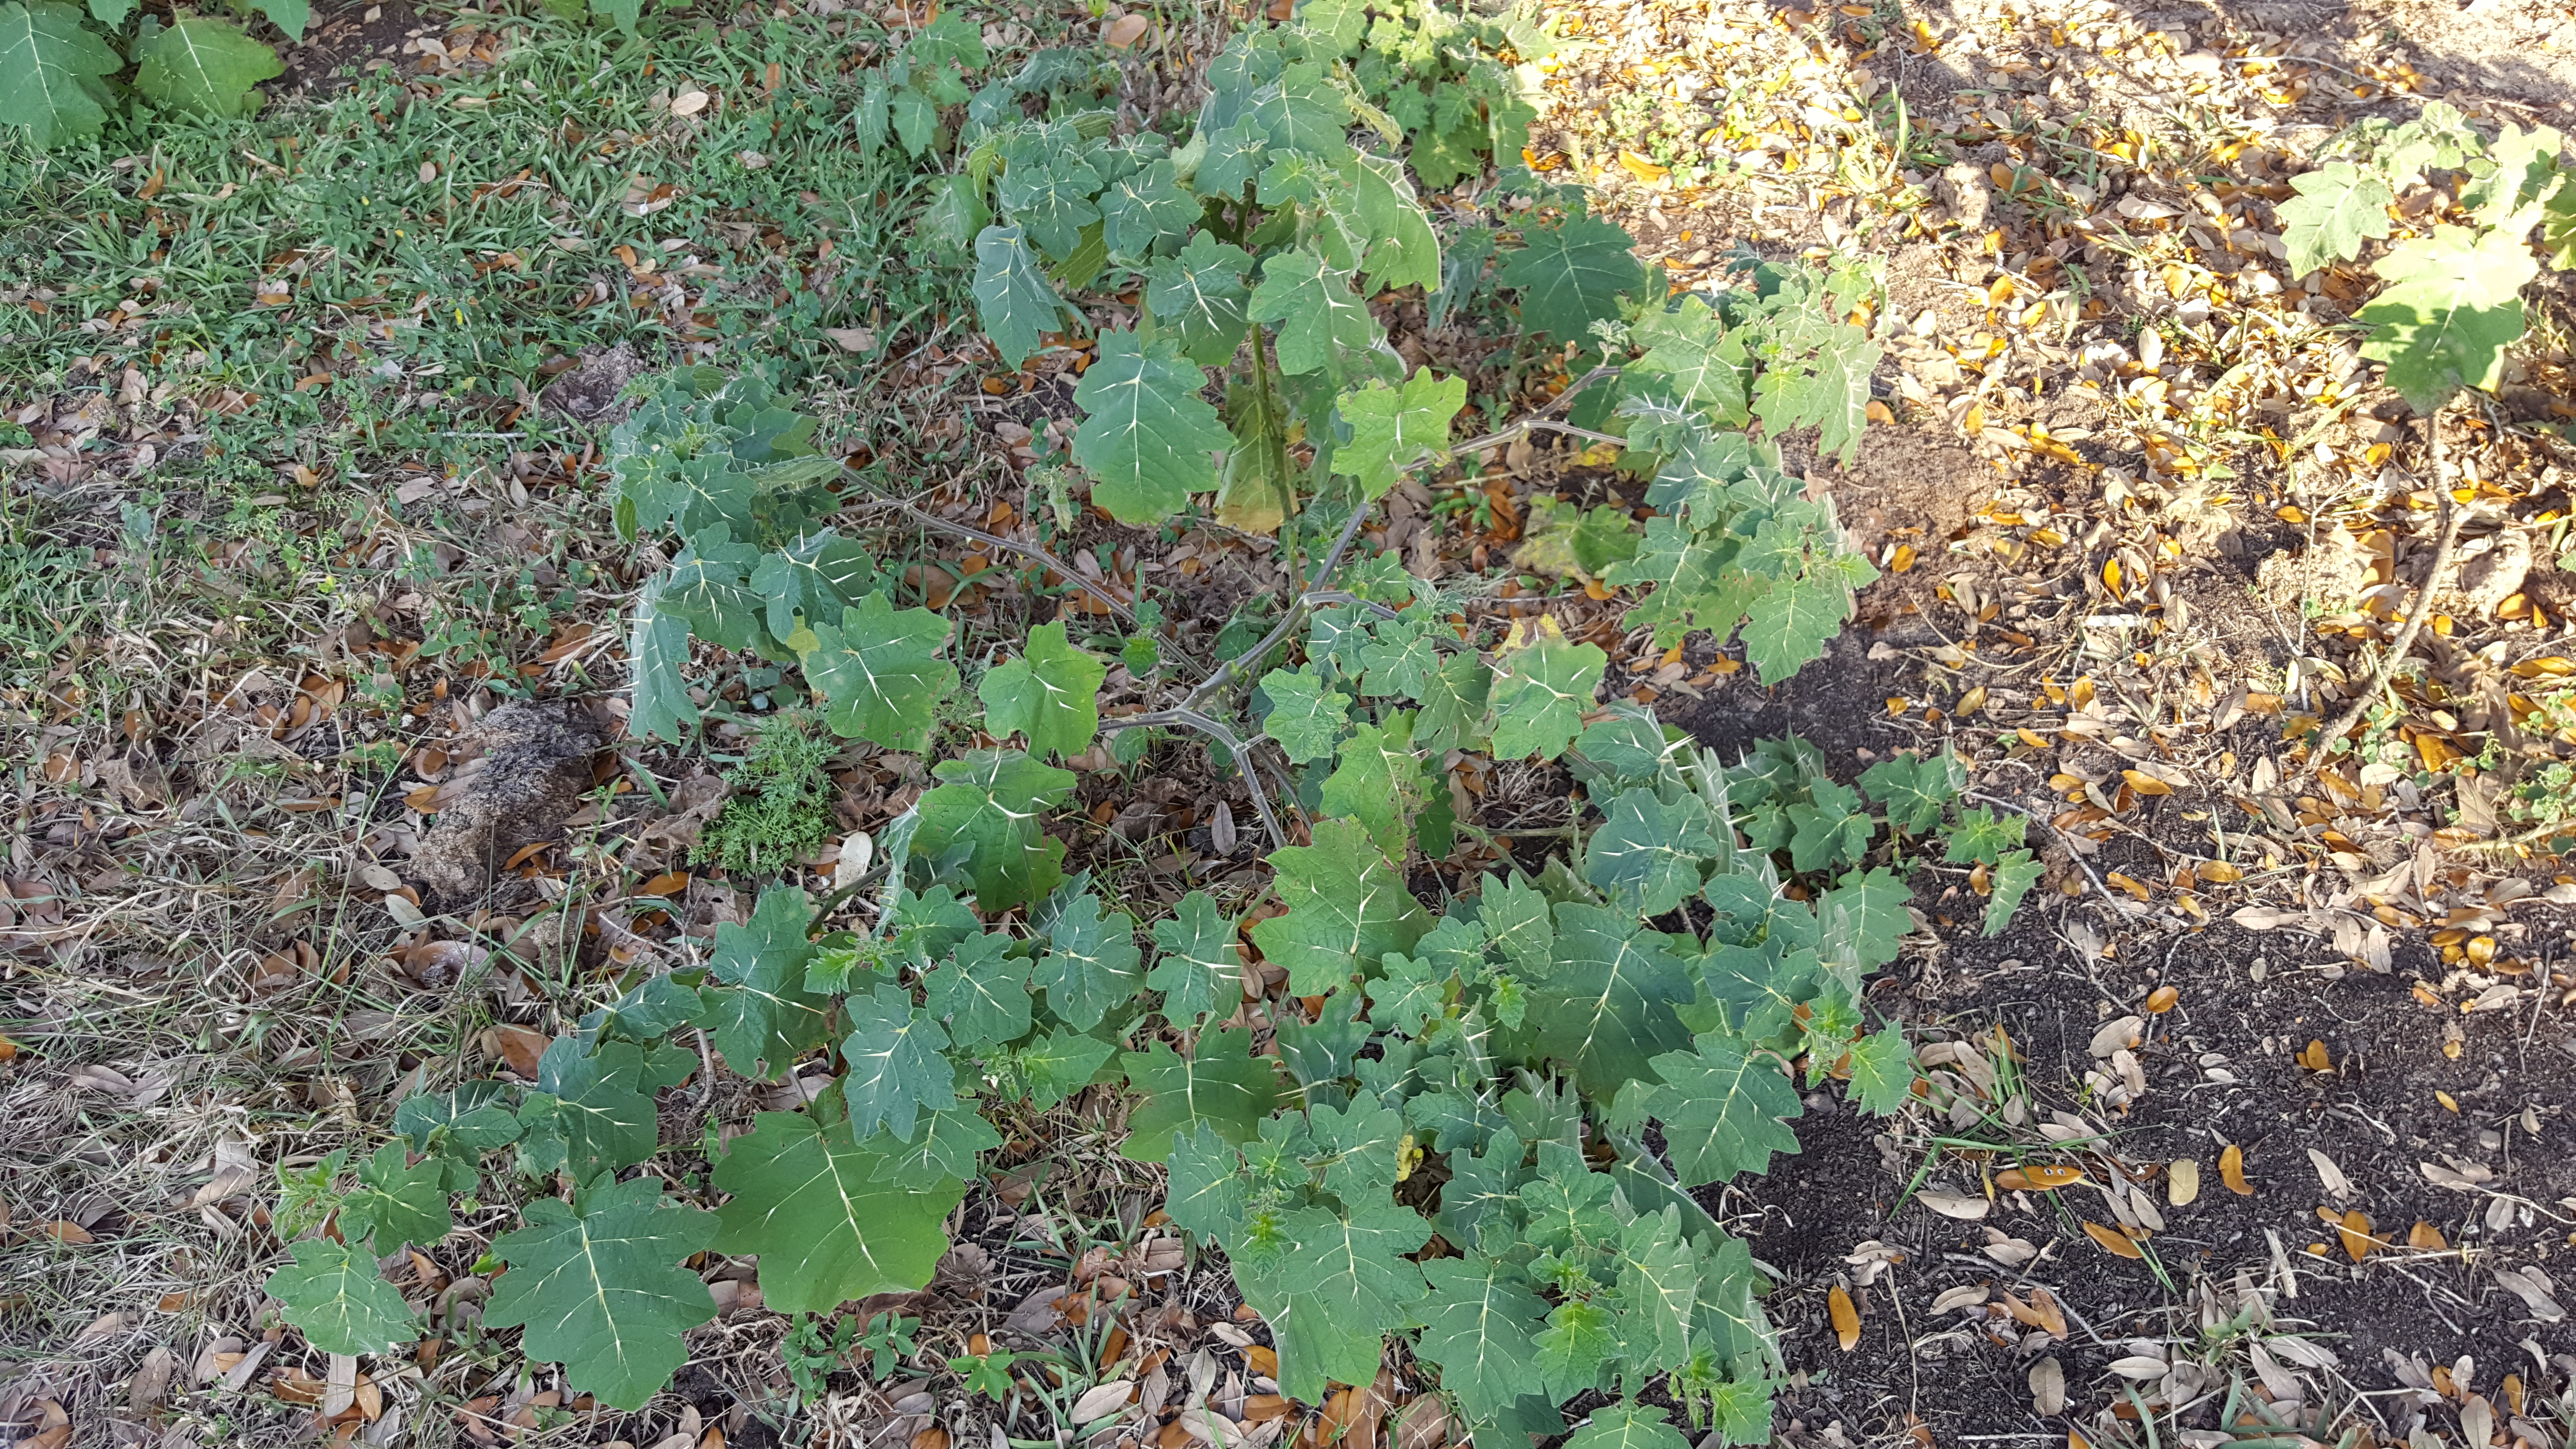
(588, 391)
(535, 769)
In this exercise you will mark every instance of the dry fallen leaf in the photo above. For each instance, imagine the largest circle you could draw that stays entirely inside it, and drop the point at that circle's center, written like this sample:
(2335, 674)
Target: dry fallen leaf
(2182, 1182)
(2161, 1000)
(1952, 1205)
(1846, 1317)
(2111, 1241)
(2047, 1387)
(2314, 1058)
(1124, 31)
(2426, 1236)
(2144, 783)
(2231, 1170)
(2354, 1229)
(2337, 1186)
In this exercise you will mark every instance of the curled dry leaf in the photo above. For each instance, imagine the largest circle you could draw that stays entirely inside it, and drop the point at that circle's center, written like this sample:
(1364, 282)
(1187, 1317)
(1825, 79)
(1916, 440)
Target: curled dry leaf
(1102, 1400)
(2117, 1034)
(2112, 1241)
(2354, 1228)
(1124, 31)
(2139, 1366)
(1846, 1317)
(1966, 1295)
(2144, 783)
(2011, 1252)
(2182, 1182)
(2231, 1170)
(2315, 1059)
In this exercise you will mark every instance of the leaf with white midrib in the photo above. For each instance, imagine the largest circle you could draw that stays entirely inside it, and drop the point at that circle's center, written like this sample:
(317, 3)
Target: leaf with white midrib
(599, 1287)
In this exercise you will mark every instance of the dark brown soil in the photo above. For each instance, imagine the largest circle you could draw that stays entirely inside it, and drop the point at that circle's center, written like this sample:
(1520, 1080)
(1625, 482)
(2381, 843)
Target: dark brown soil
(2375, 1114)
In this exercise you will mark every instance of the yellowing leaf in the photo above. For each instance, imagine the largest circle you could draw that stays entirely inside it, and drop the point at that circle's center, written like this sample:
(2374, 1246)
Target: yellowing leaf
(2144, 783)
(1971, 702)
(1641, 168)
(2043, 1177)
(2218, 871)
(2354, 1229)
(2426, 1236)
(2161, 1000)
(2115, 1243)
(2111, 577)
(2314, 1057)
(2231, 1170)
(1846, 1318)
(1903, 560)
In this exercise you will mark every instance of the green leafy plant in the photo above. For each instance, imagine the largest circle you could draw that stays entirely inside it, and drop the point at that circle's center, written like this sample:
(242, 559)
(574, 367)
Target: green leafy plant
(1492, 1074)
(781, 808)
(1455, 81)
(59, 77)
(2452, 301)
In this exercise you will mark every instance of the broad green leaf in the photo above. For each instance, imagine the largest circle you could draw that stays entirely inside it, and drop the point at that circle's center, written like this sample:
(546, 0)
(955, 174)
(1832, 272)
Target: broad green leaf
(2338, 207)
(927, 925)
(1982, 836)
(1453, 702)
(1144, 210)
(896, 1070)
(1862, 923)
(55, 73)
(1198, 965)
(204, 66)
(1579, 1340)
(1477, 1325)
(1650, 852)
(1543, 686)
(1380, 782)
(334, 1296)
(1606, 1005)
(1659, 1273)
(1882, 1070)
(1221, 1087)
(290, 16)
(1341, 21)
(1013, 298)
(1346, 908)
(827, 1229)
(1516, 919)
(1690, 360)
(1739, 1411)
(1091, 964)
(1049, 194)
(2452, 305)
(944, 1144)
(1319, 319)
(1235, 155)
(1914, 788)
(593, 1110)
(2519, 169)
(1202, 293)
(763, 1017)
(1204, 1185)
(1051, 694)
(1305, 112)
(991, 803)
(1721, 1107)
(474, 1116)
(1791, 624)
(1819, 376)
(1333, 1286)
(1628, 1426)
(1061, 1064)
(397, 1202)
(1572, 275)
(1147, 437)
(880, 669)
(1305, 717)
(1403, 251)
(2014, 874)
(1392, 429)
(814, 577)
(981, 992)
(599, 1287)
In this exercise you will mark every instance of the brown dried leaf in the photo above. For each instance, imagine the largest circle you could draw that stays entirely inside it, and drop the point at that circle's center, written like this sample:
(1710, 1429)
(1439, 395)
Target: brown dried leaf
(1846, 1318)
